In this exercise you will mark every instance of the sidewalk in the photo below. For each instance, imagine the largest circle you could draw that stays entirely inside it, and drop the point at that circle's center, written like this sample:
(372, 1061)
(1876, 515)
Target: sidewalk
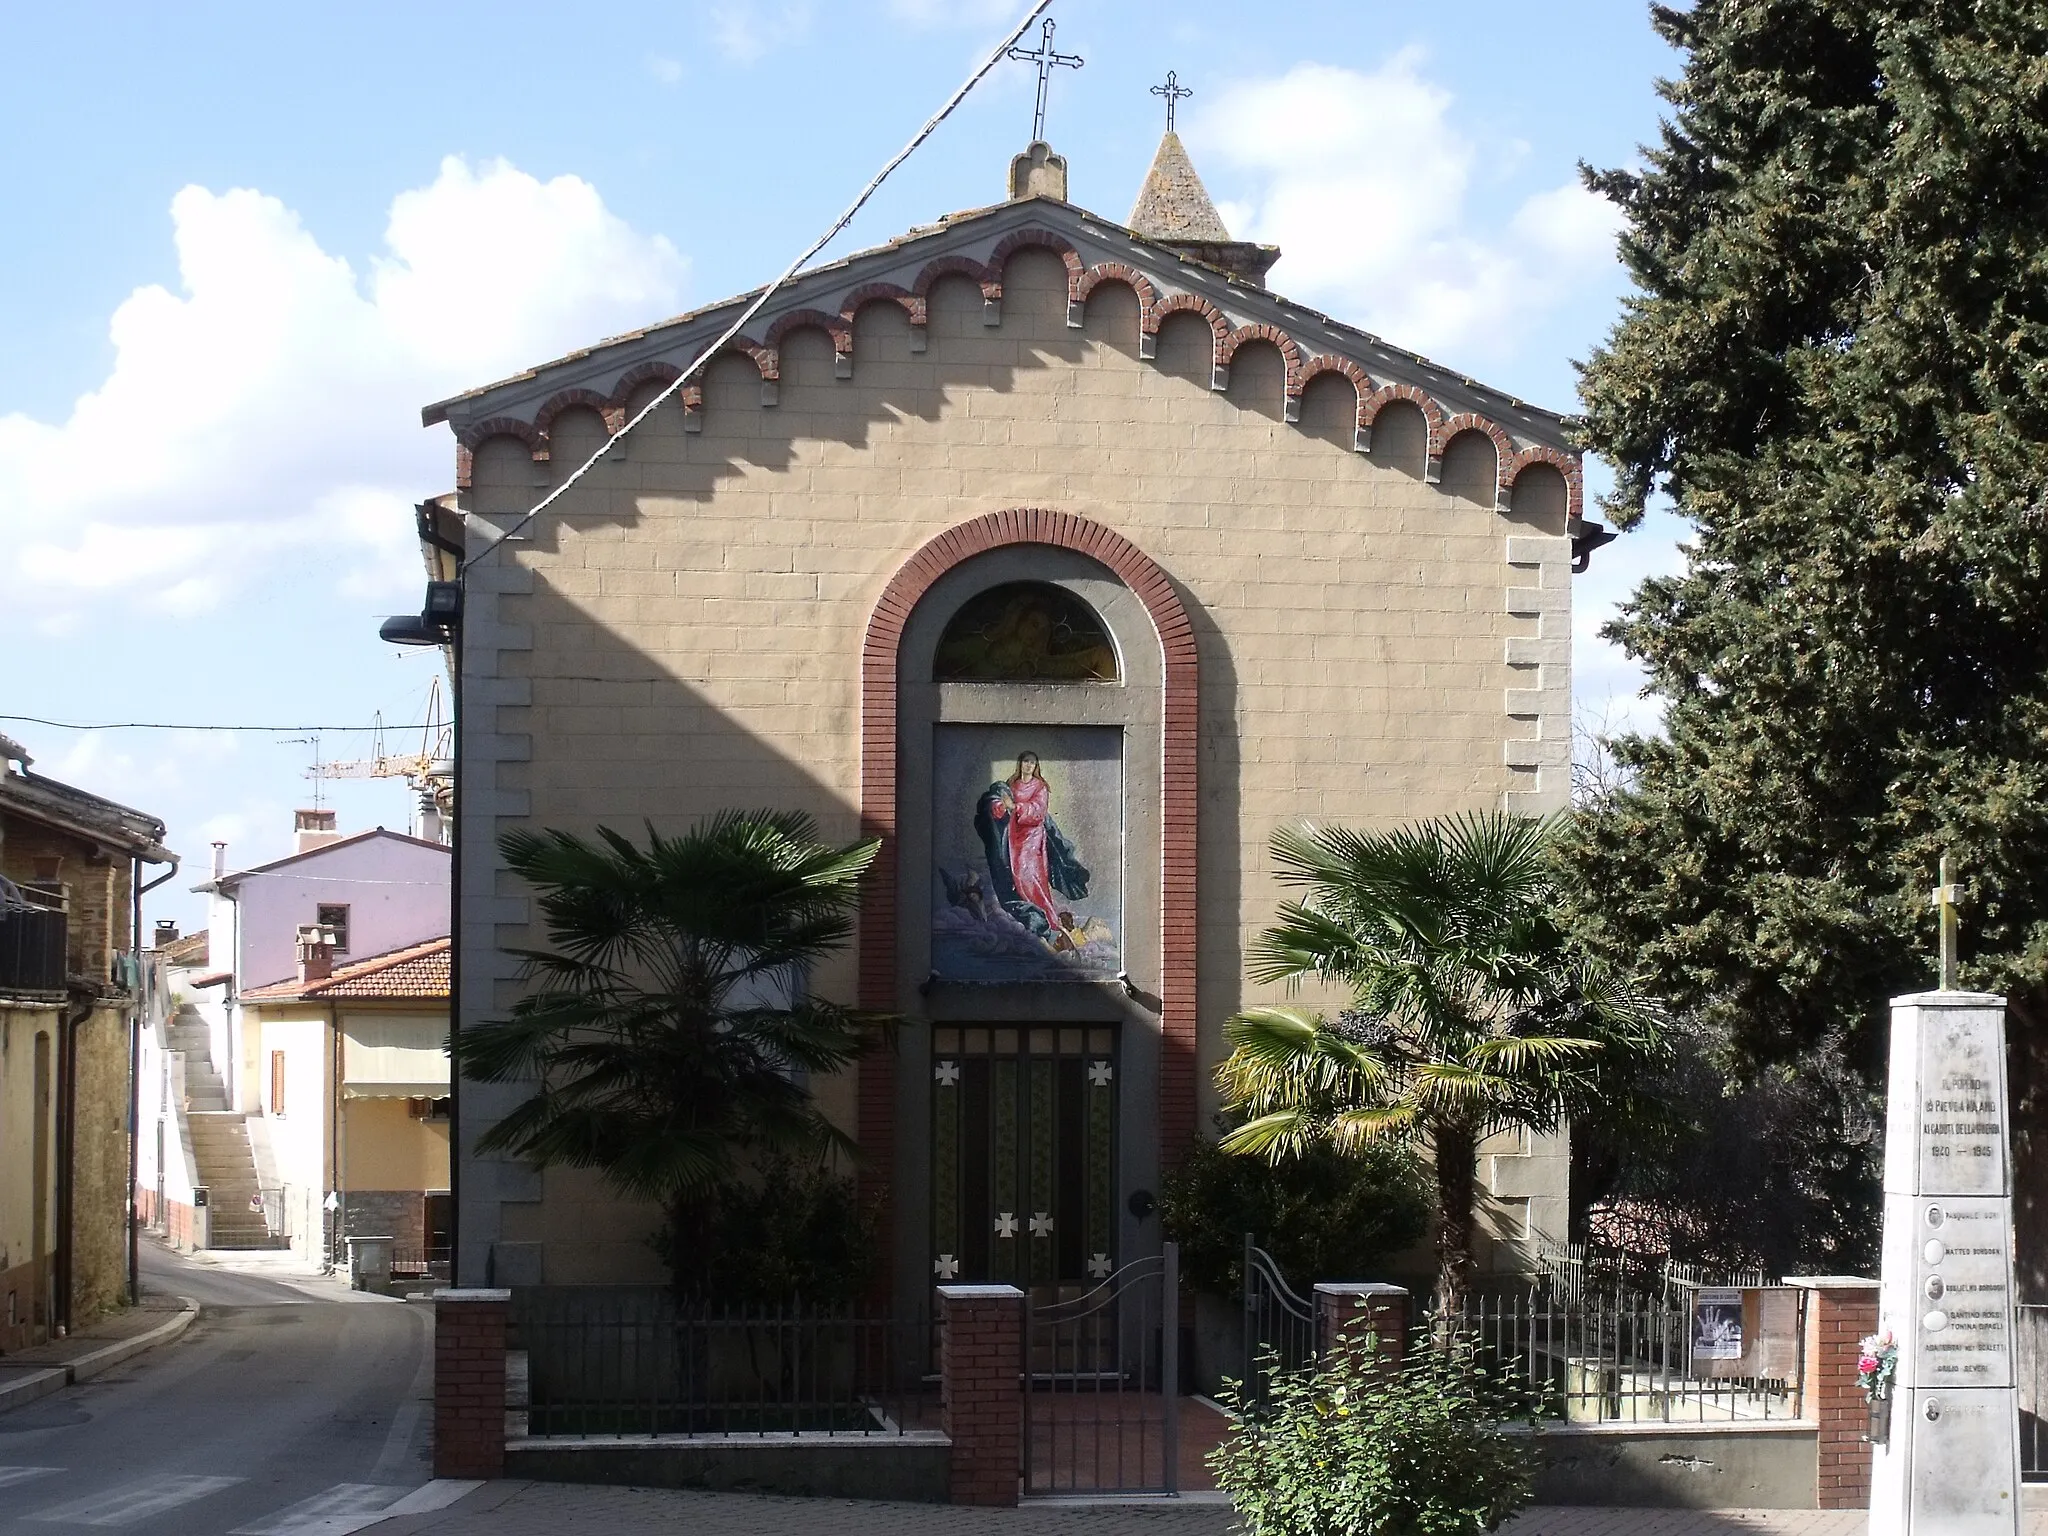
(28, 1374)
(565, 1509)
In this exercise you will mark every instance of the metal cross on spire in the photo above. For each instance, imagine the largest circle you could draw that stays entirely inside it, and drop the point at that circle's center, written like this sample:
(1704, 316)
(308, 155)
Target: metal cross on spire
(1944, 900)
(1174, 92)
(1047, 60)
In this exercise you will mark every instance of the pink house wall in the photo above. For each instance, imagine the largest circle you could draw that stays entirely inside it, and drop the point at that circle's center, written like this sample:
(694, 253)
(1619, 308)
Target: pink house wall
(395, 887)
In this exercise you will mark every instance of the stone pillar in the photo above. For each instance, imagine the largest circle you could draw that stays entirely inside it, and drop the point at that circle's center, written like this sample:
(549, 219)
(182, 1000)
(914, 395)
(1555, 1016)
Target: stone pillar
(1949, 1464)
(1840, 1310)
(981, 1365)
(1353, 1308)
(469, 1382)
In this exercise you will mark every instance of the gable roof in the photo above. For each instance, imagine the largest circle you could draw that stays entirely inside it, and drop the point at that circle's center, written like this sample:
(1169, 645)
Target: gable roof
(419, 971)
(86, 815)
(976, 245)
(191, 950)
(228, 881)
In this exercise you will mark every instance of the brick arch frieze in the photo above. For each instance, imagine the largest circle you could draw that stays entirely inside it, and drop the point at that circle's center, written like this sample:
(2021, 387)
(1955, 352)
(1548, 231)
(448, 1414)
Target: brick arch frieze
(834, 325)
(1503, 447)
(612, 415)
(879, 915)
(1120, 272)
(1082, 280)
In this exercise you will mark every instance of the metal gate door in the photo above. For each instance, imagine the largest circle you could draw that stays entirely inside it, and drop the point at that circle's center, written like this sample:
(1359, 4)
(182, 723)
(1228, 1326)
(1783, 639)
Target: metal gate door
(1279, 1326)
(1102, 1385)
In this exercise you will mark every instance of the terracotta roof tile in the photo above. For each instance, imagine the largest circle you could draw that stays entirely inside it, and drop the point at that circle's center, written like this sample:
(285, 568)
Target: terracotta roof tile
(417, 971)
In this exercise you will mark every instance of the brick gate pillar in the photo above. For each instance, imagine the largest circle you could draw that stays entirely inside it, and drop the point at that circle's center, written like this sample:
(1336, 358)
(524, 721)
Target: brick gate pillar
(981, 1366)
(1354, 1308)
(469, 1382)
(1840, 1310)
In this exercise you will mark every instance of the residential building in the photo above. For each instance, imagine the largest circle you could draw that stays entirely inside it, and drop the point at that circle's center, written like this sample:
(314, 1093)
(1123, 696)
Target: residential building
(355, 1096)
(1027, 512)
(71, 991)
(367, 896)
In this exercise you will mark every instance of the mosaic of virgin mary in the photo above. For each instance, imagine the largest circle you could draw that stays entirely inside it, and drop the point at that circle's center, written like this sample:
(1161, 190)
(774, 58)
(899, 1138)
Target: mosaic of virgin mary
(1030, 907)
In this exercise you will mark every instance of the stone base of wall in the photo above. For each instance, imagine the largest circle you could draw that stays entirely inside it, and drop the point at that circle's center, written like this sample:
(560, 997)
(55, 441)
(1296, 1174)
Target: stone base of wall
(21, 1320)
(1679, 1466)
(911, 1469)
(400, 1214)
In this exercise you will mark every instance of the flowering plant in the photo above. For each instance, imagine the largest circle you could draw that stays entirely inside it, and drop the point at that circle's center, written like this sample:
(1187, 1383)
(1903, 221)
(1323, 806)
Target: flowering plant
(1877, 1360)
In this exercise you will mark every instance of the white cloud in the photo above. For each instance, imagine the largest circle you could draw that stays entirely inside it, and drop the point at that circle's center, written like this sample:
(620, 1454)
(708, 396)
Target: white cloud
(748, 29)
(955, 13)
(664, 69)
(265, 416)
(1362, 179)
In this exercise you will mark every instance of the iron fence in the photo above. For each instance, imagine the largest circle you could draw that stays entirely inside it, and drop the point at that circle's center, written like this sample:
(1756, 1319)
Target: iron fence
(1594, 1360)
(612, 1361)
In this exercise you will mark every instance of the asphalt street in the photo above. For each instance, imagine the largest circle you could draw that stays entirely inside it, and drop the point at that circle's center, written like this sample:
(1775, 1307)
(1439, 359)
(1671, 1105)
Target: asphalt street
(283, 1411)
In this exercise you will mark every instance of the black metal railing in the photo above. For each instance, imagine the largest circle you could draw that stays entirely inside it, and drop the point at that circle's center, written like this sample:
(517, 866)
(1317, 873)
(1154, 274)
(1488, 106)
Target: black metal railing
(32, 948)
(608, 1361)
(1633, 1359)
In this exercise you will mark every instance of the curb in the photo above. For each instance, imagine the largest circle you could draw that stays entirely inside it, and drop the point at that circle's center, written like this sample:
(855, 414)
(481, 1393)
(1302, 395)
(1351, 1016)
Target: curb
(96, 1362)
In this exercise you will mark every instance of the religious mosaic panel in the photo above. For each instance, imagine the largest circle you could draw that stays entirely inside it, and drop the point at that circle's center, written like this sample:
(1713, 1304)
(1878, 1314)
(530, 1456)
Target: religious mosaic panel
(1025, 632)
(1028, 833)
(1023, 1155)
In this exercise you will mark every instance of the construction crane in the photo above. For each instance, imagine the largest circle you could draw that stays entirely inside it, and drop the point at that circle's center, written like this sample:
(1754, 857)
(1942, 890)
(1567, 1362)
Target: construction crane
(430, 770)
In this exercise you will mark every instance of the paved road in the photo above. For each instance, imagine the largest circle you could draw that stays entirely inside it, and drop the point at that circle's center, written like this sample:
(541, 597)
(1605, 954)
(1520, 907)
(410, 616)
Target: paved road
(278, 1411)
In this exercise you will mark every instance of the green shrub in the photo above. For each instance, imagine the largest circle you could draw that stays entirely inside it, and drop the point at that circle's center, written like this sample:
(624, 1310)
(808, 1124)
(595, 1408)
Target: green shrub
(1371, 1447)
(1322, 1216)
(792, 1233)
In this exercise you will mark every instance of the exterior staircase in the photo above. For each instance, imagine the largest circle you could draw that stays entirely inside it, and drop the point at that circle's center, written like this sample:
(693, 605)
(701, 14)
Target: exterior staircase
(220, 1143)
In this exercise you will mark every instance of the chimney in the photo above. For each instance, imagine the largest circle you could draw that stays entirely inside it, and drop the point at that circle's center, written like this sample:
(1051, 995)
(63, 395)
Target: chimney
(316, 953)
(166, 932)
(313, 829)
(220, 860)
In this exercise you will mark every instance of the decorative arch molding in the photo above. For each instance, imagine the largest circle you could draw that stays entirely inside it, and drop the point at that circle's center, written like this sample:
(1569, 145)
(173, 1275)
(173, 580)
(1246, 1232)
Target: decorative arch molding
(1180, 737)
(1154, 306)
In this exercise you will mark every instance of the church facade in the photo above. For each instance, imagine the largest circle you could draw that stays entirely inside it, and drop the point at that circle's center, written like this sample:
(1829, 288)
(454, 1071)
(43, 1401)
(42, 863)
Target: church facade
(1069, 561)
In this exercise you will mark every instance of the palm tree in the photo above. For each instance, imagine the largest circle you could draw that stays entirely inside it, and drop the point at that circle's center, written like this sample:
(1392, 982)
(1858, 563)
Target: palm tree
(1472, 1011)
(669, 1032)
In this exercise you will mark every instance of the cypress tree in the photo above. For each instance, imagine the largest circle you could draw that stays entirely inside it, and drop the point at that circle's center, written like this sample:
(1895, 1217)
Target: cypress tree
(1835, 365)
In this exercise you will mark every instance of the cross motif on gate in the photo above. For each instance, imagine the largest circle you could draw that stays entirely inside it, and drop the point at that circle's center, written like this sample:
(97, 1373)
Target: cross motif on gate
(1098, 1265)
(1047, 61)
(1174, 92)
(946, 1074)
(1006, 1224)
(945, 1266)
(1098, 1074)
(1041, 1224)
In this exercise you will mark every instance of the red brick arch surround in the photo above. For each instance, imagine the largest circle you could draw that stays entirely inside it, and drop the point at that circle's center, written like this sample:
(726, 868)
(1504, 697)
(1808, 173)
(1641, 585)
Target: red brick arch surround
(1178, 806)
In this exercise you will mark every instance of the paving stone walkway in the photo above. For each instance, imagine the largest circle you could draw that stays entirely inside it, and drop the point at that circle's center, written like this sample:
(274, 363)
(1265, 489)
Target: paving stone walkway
(559, 1509)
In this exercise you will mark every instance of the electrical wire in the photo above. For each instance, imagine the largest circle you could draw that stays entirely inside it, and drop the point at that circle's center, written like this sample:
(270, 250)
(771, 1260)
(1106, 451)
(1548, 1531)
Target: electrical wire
(996, 56)
(156, 725)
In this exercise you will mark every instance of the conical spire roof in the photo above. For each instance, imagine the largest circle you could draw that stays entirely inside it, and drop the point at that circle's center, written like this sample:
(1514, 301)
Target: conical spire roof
(1173, 204)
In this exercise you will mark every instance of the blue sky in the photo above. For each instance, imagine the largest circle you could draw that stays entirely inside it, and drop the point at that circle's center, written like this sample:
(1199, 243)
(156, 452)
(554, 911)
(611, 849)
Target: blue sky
(247, 242)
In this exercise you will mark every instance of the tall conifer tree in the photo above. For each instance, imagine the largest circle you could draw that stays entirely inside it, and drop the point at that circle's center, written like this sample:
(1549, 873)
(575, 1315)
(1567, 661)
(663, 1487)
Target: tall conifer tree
(1835, 364)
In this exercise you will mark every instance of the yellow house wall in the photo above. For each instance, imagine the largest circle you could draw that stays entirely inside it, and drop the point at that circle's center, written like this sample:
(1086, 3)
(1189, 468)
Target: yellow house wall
(21, 1289)
(384, 1147)
(697, 608)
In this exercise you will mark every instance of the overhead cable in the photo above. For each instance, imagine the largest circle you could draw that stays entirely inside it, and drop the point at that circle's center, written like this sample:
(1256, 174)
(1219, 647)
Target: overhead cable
(995, 56)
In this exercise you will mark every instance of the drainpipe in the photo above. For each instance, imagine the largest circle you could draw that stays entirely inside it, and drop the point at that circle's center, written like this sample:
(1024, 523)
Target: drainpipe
(138, 890)
(80, 1010)
(337, 1149)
